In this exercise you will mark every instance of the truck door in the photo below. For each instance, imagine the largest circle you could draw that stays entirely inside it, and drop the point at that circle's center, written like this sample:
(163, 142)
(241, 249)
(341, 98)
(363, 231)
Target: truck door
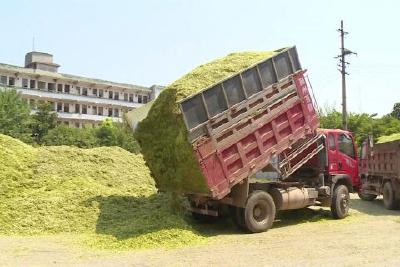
(332, 153)
(347, 162)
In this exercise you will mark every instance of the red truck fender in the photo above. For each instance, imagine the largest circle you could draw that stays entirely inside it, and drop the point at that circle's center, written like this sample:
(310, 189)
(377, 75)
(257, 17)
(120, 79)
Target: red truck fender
(343, 179)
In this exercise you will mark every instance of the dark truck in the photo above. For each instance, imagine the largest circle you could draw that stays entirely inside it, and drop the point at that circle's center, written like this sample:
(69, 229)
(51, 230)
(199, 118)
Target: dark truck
(380, 172)
(263, 121)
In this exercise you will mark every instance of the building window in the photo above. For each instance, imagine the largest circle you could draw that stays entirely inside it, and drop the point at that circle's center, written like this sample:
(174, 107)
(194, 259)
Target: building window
(3, 80)
(125, 97)
(11, 81)
(100, 93)
(116, 96)
(77, 108)
(78, 90)
(32, 84)
(51, 87)
(66, 88)
(84, 109)
(139, 99)
(94, 110)
(41, 85)
(77, 125)
(110, 94)
(66, 108)
(130, 97)
(94, 92)
(100, 111)
(24, 83)
(110, 112)
(84, 91)
(59, 88)
(59, 107)
(116, 112)
(145, 99)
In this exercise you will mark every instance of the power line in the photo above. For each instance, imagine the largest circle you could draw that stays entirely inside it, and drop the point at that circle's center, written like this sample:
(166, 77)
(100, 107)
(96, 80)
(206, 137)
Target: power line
(342, 68)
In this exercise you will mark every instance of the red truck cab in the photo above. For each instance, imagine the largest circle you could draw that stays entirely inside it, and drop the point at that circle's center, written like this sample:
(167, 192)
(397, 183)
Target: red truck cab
(341, 152)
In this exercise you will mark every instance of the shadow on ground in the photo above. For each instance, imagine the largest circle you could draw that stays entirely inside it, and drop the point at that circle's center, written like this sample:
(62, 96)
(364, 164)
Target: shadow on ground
(128, 217)
(375, 207)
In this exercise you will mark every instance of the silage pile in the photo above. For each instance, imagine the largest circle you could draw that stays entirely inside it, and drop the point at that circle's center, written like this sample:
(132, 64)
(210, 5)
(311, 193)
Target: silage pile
(388, 138)
(106, 195)
(163, 135)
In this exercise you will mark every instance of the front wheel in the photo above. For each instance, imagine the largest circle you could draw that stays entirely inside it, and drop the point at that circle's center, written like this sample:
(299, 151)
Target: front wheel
(340, 202)
(259, 213)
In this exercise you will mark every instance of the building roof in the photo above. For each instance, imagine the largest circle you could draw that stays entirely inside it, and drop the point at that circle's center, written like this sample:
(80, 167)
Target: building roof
(69, 77)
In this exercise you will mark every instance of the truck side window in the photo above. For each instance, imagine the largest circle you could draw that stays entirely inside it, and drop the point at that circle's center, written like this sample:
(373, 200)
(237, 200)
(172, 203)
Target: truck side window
(331, 142)
(346, 145)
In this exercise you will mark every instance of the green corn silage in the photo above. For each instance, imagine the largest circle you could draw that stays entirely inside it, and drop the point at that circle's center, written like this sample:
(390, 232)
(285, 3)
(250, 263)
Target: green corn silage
(388, 138)
(104, 196)
(163, 135)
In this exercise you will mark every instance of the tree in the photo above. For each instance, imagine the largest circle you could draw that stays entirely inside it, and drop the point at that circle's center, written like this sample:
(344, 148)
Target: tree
(64, 135)
(14, 115)
(117, 134)
(107, 133)
(396, 111)
(361, 124)
(43, 120)
(126, 138)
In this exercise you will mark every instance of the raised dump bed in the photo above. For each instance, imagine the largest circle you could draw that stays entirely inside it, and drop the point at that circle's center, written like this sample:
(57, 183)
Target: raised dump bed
(236, 125)
(246, 115)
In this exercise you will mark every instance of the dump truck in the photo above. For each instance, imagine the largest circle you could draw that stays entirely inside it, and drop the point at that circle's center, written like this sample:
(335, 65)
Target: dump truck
(255, 136)
(380, 172)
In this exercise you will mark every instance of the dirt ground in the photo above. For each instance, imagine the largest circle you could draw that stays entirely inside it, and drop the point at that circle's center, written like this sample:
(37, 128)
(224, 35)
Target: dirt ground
(369, 237)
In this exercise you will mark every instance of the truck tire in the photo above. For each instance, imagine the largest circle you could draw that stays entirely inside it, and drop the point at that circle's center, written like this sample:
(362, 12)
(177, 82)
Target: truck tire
(340, 202)
(259, 213)
(389, 196)
(366, 197)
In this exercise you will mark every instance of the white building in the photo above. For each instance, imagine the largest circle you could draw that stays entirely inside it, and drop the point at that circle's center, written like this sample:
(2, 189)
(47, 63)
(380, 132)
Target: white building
(78, 100)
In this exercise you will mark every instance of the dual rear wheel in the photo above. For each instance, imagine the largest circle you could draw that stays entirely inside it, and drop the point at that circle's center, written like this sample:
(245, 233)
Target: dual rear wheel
(258, 215)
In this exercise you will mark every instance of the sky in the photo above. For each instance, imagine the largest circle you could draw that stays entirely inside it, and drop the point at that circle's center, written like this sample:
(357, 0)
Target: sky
(156, 42)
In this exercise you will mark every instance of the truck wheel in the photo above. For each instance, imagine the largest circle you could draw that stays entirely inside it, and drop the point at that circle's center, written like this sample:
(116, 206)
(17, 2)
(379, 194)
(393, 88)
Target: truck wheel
(389, 197)
(340, 202)
(366, 197)
(259, 213)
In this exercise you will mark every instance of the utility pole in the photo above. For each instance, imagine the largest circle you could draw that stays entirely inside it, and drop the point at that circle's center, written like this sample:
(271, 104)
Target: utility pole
(342, 65)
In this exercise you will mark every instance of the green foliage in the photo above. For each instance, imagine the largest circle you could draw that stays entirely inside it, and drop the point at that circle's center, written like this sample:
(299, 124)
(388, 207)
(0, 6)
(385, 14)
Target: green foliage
(396, 111)
(104, 194)
(162, 134)
(43, 120)
(117, 134)
(107, 133)
(14, 115)
(362, 124)
(64, 135)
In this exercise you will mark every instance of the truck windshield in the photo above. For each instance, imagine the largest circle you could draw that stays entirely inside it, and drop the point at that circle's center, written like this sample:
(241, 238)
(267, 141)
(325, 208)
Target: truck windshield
(346, 145)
